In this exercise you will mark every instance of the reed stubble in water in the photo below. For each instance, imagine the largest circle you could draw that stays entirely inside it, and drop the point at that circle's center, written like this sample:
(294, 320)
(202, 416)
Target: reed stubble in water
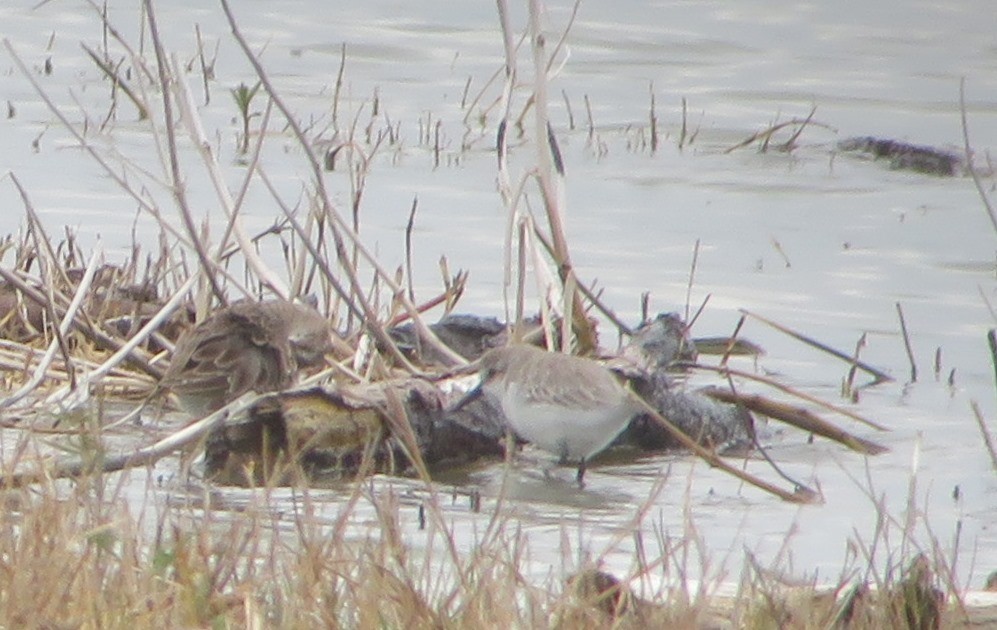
(248, 346)
(570, 406)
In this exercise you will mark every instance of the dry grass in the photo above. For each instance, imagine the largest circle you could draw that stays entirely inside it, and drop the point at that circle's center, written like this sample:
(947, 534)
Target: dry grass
(77, 557)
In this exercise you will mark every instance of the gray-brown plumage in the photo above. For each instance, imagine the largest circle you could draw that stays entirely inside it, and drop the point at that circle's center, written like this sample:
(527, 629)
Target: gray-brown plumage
(567, 405)
(248, 346)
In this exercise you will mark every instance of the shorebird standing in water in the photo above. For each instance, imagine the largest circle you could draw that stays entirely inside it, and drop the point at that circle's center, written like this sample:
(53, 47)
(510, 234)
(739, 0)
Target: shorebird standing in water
(569, 406)
(248, 346)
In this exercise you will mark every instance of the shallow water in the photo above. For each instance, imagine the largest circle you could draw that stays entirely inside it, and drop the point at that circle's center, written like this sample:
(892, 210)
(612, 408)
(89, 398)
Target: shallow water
(855, 237)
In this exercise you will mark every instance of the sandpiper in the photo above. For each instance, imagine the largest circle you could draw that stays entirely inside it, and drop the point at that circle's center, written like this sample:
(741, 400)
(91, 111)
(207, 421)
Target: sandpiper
(248, 346)
(570, 406)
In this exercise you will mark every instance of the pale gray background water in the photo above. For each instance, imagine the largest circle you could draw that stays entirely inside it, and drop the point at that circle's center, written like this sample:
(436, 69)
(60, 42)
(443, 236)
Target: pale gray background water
(859, 237)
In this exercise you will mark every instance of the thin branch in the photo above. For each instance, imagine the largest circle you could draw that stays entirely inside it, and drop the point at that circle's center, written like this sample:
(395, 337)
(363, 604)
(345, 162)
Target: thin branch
(879, 375)
(991, 212)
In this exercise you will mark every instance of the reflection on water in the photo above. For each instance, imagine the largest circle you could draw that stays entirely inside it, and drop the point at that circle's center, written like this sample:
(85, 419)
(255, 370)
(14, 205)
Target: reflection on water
(854, 238)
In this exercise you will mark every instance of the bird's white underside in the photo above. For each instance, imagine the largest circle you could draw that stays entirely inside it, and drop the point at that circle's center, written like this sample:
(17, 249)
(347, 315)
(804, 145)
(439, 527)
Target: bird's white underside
(572, 434)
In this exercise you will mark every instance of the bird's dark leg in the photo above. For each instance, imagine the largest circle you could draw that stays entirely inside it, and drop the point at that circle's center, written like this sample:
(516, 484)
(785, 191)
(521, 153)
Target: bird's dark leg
(580, 476)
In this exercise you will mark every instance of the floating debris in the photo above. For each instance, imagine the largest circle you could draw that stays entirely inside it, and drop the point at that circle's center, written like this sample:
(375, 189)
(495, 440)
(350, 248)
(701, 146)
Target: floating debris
(905, 156)
(322, 434)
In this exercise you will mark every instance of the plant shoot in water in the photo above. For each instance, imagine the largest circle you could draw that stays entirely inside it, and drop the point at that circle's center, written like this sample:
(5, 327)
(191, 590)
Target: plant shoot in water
(243, 97)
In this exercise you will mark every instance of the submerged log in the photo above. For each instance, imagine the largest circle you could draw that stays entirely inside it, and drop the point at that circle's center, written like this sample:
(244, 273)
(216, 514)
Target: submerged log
(906, 156)
(323, 434)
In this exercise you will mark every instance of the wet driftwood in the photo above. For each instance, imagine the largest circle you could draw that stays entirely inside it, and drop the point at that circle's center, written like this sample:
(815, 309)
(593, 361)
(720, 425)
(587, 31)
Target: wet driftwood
(325, 433)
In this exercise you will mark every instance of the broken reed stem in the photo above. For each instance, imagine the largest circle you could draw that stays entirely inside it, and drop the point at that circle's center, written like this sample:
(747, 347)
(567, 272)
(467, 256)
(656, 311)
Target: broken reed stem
(50, 269)
(112, 74)
(801, 495)
(766, 134)
(724, 371)
(987, 440)
(567, 108)
(444, 298)
(692, 278)
(588, 113)
(967, 151)
(550, 173)
(521, 279)
(509, 199)
(684, 130)
(231, 207)
(74, 467)
(176, 176)
(850, 379)
(992, 343)
(587, 292)
(907, 346)
(338, 89)
(798, 417)
(654, 123)
(339, 227)
(96, 336)
(753, 435)
(206, 69)
(879, 375)
(126, 350)
(733, 341)
(408, 246)
(799, 130)
(58, 341)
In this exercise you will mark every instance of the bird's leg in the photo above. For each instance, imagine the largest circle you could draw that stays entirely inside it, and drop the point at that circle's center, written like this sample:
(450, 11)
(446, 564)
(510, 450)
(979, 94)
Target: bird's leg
(580, 476)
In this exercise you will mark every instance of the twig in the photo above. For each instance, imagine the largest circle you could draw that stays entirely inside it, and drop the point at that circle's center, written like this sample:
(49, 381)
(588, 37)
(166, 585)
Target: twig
(732, 343)
(408, 247)
(112, 74)
(879, 375)
(77, 467)
(654, 123)
(987, 440)
(753, 435)
(798, 417)
(910, 352)
(991, 212)
(179, 295)
(724, 371)
(339, 226)
(692, 277)
(801, 495)
(229, 206)
(82, 291)
(850, 380)
(97, 336)
(589, 295)
(551, 188)
(176, 182)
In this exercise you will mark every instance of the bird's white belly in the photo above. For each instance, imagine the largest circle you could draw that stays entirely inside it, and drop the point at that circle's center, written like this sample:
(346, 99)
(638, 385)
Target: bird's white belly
(572, 434)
